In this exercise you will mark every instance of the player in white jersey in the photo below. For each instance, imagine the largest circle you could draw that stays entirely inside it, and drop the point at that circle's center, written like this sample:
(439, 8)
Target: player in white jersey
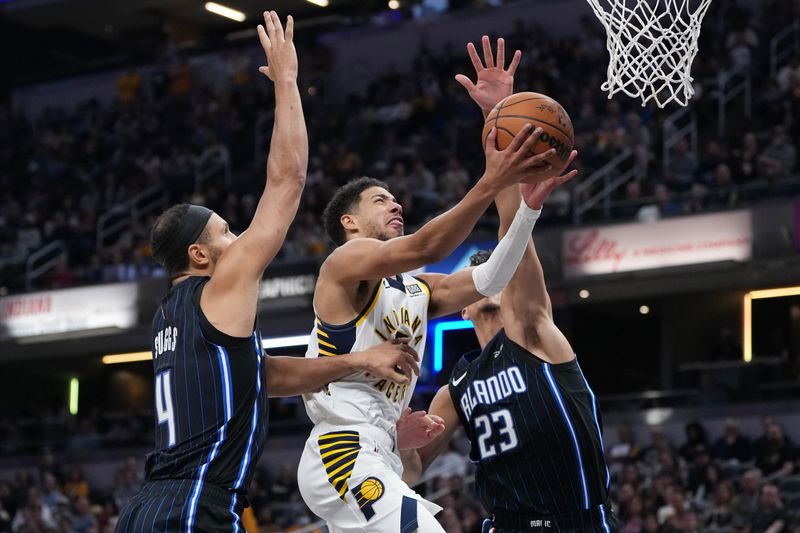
(350, 471)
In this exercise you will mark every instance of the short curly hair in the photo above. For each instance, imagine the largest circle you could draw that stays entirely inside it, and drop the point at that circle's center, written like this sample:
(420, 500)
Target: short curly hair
(479, 258)
(344, 199)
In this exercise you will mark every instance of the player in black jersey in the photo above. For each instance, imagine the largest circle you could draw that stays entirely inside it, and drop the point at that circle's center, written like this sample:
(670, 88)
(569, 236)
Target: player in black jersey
(524, 403)
(212, 378)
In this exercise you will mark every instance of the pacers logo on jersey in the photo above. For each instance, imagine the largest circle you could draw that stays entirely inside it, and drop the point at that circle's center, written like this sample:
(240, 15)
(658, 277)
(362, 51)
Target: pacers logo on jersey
(367, 493)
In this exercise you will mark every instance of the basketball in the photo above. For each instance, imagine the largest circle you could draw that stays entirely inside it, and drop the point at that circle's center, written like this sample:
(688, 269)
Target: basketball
(371, 489)
(512, 113)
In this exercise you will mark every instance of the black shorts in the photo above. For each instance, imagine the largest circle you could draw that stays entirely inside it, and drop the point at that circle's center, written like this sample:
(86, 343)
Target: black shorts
(601, 519)
(182, 505)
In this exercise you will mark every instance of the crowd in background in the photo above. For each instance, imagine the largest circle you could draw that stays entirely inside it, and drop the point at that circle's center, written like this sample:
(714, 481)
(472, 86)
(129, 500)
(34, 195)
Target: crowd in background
(726, 483)
(417, 130)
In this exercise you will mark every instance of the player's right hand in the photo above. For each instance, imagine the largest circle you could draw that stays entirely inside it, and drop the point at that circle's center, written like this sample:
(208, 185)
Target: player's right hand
(394, 360)
(517, 162)
(279, 48)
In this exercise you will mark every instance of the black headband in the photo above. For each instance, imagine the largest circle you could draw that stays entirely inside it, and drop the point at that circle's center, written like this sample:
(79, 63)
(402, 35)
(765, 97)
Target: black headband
(188, 231)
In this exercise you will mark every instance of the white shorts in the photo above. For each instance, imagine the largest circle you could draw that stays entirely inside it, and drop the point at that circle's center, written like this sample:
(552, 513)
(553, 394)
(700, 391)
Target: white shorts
(352, 478)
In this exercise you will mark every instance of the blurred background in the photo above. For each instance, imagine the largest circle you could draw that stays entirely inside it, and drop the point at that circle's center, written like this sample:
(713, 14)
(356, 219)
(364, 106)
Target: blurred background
(672, 261)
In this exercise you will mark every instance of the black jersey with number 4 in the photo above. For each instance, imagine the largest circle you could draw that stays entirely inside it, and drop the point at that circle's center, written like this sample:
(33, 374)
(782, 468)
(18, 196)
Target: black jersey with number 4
(534, 429)
(210, 398)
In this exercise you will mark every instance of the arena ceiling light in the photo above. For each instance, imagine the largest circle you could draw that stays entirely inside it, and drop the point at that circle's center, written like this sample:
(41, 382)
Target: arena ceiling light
(747, 329)
(132, 357)
(320, 3)
(225, 11)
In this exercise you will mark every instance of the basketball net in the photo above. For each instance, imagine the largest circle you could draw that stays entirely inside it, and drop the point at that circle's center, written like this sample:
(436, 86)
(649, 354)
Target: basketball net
(652, 46)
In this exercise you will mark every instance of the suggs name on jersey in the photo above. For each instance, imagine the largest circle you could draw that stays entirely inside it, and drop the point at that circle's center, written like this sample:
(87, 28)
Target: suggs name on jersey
(165, 341)
(488, 391)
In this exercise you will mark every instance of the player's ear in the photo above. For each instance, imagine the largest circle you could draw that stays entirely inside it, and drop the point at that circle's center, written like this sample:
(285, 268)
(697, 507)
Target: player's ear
(465, 313)
(199, 255)
(349, 222)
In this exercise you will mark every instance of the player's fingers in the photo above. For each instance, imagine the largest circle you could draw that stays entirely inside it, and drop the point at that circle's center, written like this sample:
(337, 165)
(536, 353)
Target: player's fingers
(572, 155)
(412, 363)
(276, 21)
(408, 350)
(265, 71)
(416, 415)
(465, 82)
(520, 138)
(561, 180)
(398, 379)
(269, 24)
(474, 57)
(289, 28)
(512, 68)
(501, 53)
(266, 44)
(437, 419)
(538, 160)
(487, 51)
(527, 146)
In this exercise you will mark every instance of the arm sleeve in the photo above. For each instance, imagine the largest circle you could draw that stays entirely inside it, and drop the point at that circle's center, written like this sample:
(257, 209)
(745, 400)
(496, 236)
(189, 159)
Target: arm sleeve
(492, 276)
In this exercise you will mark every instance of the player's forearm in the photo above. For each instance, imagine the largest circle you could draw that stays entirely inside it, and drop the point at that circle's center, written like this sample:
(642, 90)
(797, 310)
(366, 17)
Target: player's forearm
(438, 238)
(412, 466)
(291, 376)
(288, 153)
(507, 202)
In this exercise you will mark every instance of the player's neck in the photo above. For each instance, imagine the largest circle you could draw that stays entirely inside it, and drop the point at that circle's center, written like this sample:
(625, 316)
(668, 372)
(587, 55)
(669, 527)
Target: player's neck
(192, 272)
(486, 329)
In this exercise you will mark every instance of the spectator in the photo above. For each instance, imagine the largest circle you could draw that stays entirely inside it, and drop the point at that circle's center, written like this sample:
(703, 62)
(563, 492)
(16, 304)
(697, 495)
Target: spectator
(774, 453)
(682, 165)
(770, 516)
(746, 502)
(719, 516)
(52, 496)
(83, 521)
(76, 485)
(33, 516)
(778, 158)
(788, 77)
(696, 442)
(733, 446)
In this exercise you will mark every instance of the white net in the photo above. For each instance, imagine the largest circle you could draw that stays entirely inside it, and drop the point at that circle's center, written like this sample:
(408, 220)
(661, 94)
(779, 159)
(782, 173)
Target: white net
(652, 44)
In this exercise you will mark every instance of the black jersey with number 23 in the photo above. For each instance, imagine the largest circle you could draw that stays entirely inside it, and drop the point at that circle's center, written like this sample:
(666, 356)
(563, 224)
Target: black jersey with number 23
(534, 429)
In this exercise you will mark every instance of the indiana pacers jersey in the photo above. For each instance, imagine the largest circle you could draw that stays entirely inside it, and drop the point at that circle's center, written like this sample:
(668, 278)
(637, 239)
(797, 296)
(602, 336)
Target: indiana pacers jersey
(398, 308)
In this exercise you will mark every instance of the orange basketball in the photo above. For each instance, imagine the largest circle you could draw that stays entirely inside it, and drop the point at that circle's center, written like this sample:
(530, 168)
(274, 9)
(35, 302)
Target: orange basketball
(511, 115)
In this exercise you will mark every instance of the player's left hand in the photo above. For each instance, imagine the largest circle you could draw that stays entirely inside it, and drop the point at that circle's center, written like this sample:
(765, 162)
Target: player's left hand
(394, 360)
(416, 429)
(495, 82)
(535, 194)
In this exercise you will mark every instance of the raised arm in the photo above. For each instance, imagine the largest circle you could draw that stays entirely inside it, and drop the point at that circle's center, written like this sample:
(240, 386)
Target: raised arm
(525, 305)
(368, 259)
(234, 284)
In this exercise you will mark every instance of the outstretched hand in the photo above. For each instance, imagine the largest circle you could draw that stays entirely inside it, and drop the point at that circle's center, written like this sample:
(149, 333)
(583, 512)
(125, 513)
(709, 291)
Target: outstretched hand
(393, 360)
(279, 48)
(535, 194)
(517, 162)
(495, 82)
(416, 429)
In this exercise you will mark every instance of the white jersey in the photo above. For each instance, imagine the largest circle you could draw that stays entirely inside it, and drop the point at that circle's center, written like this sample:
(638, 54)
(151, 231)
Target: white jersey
(397, 309)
